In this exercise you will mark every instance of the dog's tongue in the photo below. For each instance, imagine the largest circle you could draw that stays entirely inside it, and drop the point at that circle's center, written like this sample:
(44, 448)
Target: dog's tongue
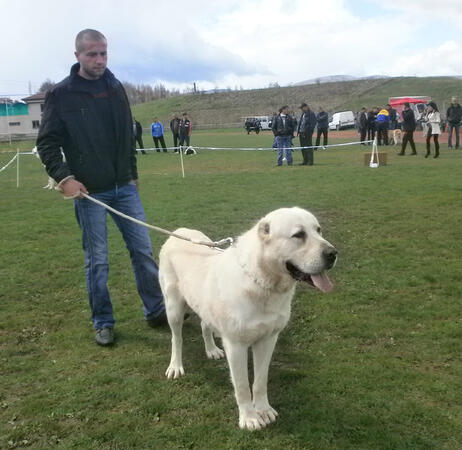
(322, 282)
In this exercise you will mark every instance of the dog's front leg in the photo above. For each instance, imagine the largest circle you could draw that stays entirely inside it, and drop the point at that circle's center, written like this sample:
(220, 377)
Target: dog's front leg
(262, 352)
(175, 368)
(236, 353)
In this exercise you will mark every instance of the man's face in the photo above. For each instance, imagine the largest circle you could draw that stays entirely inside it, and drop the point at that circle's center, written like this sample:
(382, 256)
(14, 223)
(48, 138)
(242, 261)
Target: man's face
(92, 58)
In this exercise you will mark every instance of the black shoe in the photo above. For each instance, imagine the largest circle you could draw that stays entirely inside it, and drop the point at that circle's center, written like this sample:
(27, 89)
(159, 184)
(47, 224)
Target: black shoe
(436, 156)
(161, 320)
(427, 155)
(158, 321)
(104, 336)
(302, 164)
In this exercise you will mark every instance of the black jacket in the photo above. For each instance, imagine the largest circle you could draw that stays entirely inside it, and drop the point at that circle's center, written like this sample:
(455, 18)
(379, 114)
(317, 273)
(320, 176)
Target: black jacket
(307, 122)
(175, 126)
(70, 122)
(362, 120)
(322, 120)
(283, 128)
(408, 123)
(454, 113)
(138, 129)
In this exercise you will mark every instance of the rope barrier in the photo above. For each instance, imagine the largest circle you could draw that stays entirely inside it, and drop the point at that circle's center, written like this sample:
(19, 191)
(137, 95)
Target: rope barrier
(11, 162)
(196, 147)
(212, 244)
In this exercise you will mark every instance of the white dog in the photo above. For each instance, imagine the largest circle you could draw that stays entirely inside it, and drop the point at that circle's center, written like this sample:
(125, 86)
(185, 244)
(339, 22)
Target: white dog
(243, 295)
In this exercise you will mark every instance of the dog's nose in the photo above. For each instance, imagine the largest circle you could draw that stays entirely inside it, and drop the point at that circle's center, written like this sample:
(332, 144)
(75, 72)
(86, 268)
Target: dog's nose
(329, 255)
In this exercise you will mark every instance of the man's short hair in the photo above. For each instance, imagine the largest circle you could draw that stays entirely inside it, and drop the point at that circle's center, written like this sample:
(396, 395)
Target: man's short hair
(87, 35)
(282, 108)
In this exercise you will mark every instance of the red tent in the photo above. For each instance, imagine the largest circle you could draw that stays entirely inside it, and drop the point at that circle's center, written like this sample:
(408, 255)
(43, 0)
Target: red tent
(396, 101)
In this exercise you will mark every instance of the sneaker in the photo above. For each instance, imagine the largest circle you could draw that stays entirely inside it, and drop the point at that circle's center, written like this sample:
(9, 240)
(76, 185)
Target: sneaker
(104, 336)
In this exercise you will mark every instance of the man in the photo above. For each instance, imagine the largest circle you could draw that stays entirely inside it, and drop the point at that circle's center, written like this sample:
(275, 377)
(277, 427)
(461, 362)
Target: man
(138, 132)
(157, 132)
(393, 115)
(322, 124)
(362, 125)
(371, 123)
(454, 116)
(283, 129)
(88, 116)
(408, 126)
(383, 124)
(305, 133)
(174, 128)
(184, 130)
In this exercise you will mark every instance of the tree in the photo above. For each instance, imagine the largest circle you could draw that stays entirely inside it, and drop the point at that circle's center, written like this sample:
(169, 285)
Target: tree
(46, 86)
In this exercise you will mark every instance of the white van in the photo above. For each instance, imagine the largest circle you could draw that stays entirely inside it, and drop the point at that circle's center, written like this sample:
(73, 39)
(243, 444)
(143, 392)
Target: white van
(265, 122)
(342, 119)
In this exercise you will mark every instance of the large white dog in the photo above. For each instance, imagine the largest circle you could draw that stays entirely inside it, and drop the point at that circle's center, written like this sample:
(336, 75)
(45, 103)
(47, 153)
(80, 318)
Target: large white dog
(243, 295)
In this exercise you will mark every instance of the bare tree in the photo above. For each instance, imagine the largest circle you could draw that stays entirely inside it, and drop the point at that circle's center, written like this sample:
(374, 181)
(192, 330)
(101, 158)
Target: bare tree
(45, 86)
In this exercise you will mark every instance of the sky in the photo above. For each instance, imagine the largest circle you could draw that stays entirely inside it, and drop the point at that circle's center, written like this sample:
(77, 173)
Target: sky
(231, 44)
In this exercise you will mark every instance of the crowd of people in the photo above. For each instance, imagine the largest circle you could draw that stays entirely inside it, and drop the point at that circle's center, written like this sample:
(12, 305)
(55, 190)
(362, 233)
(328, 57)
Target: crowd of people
(376, 123)
(181, 133)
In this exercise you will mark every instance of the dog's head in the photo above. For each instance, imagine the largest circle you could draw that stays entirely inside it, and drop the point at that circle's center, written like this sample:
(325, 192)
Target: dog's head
(293, 245)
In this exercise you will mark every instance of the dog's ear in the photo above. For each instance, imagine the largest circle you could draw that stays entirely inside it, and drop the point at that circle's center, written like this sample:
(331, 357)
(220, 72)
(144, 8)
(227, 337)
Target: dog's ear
(264, 230)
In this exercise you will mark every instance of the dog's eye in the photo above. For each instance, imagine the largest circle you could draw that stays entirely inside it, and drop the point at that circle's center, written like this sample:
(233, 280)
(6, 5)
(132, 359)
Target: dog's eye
(299, 234)
(319, 230)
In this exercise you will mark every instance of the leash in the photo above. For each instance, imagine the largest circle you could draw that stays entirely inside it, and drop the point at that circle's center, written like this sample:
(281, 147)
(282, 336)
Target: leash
(213, 244)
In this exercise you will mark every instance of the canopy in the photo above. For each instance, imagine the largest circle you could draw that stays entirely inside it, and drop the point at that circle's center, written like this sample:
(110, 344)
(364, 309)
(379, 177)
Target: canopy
(395, 101)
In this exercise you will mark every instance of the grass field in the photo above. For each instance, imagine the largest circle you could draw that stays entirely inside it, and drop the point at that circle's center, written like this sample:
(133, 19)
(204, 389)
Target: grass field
(374, 365)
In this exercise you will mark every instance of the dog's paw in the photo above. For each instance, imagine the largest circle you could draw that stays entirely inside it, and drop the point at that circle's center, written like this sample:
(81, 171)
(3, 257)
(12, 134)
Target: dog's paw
(268, 414)
(215, 353)
(174, 372)
(251, 421)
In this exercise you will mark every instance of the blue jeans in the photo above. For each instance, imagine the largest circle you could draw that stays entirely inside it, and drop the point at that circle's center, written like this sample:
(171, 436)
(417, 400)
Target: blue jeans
(92, 220)
(284, 144)
(455, 127)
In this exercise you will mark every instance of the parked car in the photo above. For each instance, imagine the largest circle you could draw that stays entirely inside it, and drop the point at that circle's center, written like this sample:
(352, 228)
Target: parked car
(342, 119)
(252, 124)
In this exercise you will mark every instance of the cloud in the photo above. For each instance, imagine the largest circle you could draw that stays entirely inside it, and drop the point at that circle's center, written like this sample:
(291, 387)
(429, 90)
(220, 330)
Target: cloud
(233, 43)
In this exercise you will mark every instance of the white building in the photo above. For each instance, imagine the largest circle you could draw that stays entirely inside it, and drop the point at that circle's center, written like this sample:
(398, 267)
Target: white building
(21, 119)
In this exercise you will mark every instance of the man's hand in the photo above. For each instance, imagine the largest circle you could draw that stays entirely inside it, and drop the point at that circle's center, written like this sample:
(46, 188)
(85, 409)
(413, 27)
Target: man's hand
(72, 188)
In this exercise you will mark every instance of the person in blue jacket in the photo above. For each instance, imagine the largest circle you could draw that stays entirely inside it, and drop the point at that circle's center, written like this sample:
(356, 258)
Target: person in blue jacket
(157, 131)
(383, 124)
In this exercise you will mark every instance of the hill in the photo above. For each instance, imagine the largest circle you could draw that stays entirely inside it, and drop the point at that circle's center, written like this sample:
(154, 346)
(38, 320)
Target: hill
(227, 108)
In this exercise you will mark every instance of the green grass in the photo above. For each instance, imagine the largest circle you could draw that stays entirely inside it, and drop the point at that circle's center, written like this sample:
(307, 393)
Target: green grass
(374, 365)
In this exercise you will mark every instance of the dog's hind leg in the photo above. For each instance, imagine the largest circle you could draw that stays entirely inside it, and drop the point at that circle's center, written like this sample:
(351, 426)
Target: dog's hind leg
(175, 307)
(237, 354)
(262, 352)
(211, 349)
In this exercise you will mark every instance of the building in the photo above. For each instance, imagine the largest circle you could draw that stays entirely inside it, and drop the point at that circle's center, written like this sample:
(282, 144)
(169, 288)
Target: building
(19, 119)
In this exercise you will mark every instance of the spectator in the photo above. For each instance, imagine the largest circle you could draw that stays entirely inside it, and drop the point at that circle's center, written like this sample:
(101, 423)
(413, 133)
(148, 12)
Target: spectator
(283, 129)
(138, 132)
(175, 127)
(185, 130)
(322, 123)
(362, 125)
(393, 117)
(371, 124)
(383, 124)
(157, 131)
(453, 117)
(433, 119)
(101, 162)
(408, 125)
(305, 132)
